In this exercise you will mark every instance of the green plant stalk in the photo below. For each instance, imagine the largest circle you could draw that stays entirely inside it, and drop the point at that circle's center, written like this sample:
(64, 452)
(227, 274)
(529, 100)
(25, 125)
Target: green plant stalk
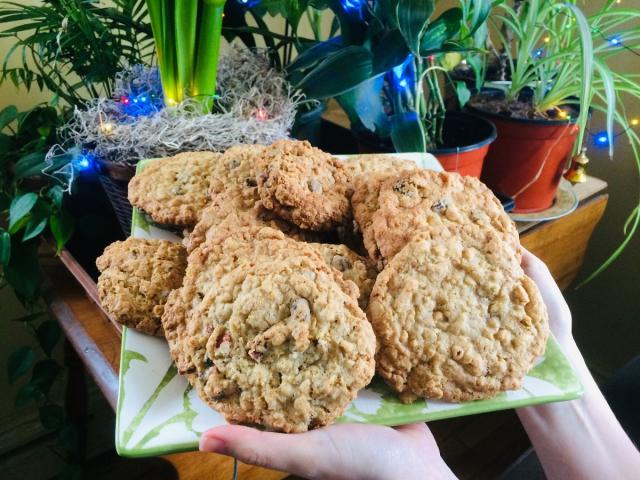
(169, 82)
(206, 68)
(186, 29)
(155, 9)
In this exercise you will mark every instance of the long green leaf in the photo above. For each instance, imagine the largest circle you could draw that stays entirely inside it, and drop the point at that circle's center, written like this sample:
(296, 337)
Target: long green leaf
(413, 18)
(338, 73)
(407, 132)
(204, 84)
(186, 26)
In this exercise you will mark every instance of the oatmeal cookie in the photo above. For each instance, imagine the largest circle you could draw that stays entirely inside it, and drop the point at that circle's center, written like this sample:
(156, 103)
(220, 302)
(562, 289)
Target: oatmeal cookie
(304, 185)
(268, 334)
(364, 203)
(456, 318)
(231, 210)
(136, 276)
(174, 190)
(370, 163)
(421, 200)
(352, 266)
(236, 169)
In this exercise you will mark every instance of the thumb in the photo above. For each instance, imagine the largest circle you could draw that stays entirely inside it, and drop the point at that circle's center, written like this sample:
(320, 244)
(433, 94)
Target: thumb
(301, 454)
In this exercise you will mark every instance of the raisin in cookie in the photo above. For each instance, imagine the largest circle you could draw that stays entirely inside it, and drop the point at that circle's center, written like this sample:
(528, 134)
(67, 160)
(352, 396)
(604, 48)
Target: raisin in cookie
(136, 278)
(304, 185)
(236, 169)
(419, 200)
(370, 163)
(268, 334)
(456, 318)
(352, 267)
(174, 190)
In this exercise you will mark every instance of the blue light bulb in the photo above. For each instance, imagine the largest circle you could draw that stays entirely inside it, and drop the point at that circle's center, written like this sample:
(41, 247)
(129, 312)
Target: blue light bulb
(539, 53)
(615, 41)
(403, 83)
(143, 98)
(81, 163)
(602, 139)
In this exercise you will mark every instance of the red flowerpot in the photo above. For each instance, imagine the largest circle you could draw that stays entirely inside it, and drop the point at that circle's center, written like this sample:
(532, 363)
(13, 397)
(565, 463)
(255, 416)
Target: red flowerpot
(528, 158)
(466, 142)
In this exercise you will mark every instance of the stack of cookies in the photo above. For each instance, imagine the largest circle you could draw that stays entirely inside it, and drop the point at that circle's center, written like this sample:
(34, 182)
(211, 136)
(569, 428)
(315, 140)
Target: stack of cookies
(286, 247)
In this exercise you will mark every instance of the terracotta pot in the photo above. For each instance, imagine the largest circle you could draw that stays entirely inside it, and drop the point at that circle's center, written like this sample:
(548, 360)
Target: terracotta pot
(528, 158)
(466, 143)
(466, 140)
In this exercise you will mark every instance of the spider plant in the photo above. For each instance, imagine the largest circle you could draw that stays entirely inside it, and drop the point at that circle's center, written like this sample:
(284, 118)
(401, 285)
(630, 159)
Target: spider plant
(73, 48)
(560, 56)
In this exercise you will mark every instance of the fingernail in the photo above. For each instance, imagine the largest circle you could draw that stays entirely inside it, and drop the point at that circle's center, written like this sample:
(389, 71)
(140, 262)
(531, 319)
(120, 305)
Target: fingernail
(211, 444)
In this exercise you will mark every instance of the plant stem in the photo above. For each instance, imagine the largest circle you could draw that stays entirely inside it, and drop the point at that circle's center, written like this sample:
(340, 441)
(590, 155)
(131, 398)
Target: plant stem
(204, 80)
(171, 94)
(186, 27)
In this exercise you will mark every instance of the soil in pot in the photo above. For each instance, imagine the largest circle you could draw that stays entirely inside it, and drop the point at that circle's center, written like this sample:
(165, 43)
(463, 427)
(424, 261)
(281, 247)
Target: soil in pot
(466, 140)
(528, 158)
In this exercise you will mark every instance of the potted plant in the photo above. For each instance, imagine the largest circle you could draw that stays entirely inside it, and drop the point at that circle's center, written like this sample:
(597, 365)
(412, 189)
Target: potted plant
(282, 46)
(556, 59)
(385, 69)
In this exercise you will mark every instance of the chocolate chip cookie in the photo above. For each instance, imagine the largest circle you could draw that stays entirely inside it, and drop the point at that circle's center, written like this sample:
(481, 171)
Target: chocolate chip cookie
(304, 185)
(174, 190)
(136, 276)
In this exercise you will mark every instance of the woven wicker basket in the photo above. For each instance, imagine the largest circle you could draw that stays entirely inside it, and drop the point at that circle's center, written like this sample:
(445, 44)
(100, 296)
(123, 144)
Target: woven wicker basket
(114, 180)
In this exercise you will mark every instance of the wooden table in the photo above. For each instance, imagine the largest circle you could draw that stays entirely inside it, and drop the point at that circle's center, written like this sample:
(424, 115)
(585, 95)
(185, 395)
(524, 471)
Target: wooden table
(480, 446)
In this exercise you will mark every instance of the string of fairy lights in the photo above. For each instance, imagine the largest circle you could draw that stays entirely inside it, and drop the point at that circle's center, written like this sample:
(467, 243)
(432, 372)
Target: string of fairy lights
(136, 103)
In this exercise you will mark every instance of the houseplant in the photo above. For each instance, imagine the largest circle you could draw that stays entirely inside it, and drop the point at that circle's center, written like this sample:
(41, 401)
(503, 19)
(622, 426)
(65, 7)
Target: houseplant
(384, 69)
(557, 63)
(284, 42)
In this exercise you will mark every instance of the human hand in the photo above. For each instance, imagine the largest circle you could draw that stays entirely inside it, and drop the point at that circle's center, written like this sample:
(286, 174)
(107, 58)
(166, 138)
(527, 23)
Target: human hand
(559, 313)
(340, 451)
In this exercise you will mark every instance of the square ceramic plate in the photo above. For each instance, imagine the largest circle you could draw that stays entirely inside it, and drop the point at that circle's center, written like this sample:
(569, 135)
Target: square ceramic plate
(158, 413)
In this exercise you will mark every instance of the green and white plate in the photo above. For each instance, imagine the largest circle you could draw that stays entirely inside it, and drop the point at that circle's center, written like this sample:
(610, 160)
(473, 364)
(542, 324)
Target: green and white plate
(158, 413)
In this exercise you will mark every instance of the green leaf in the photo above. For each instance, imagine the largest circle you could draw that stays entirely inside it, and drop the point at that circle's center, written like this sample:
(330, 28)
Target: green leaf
(364, 103)
(62, 228)
(338, 73)
(444, 28)
(44, 374)
(56, 194)
(26, 394)
(22, 271)
(315, 54)
(390, 52)
(21, 206)
(5, 247)
(8, 115)
(20, 362)
(462, 93)
(30, 165)
(386, 12)
(48, 333)
(36, 224)
(51, 417)
(407, 132)
(413, 18)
